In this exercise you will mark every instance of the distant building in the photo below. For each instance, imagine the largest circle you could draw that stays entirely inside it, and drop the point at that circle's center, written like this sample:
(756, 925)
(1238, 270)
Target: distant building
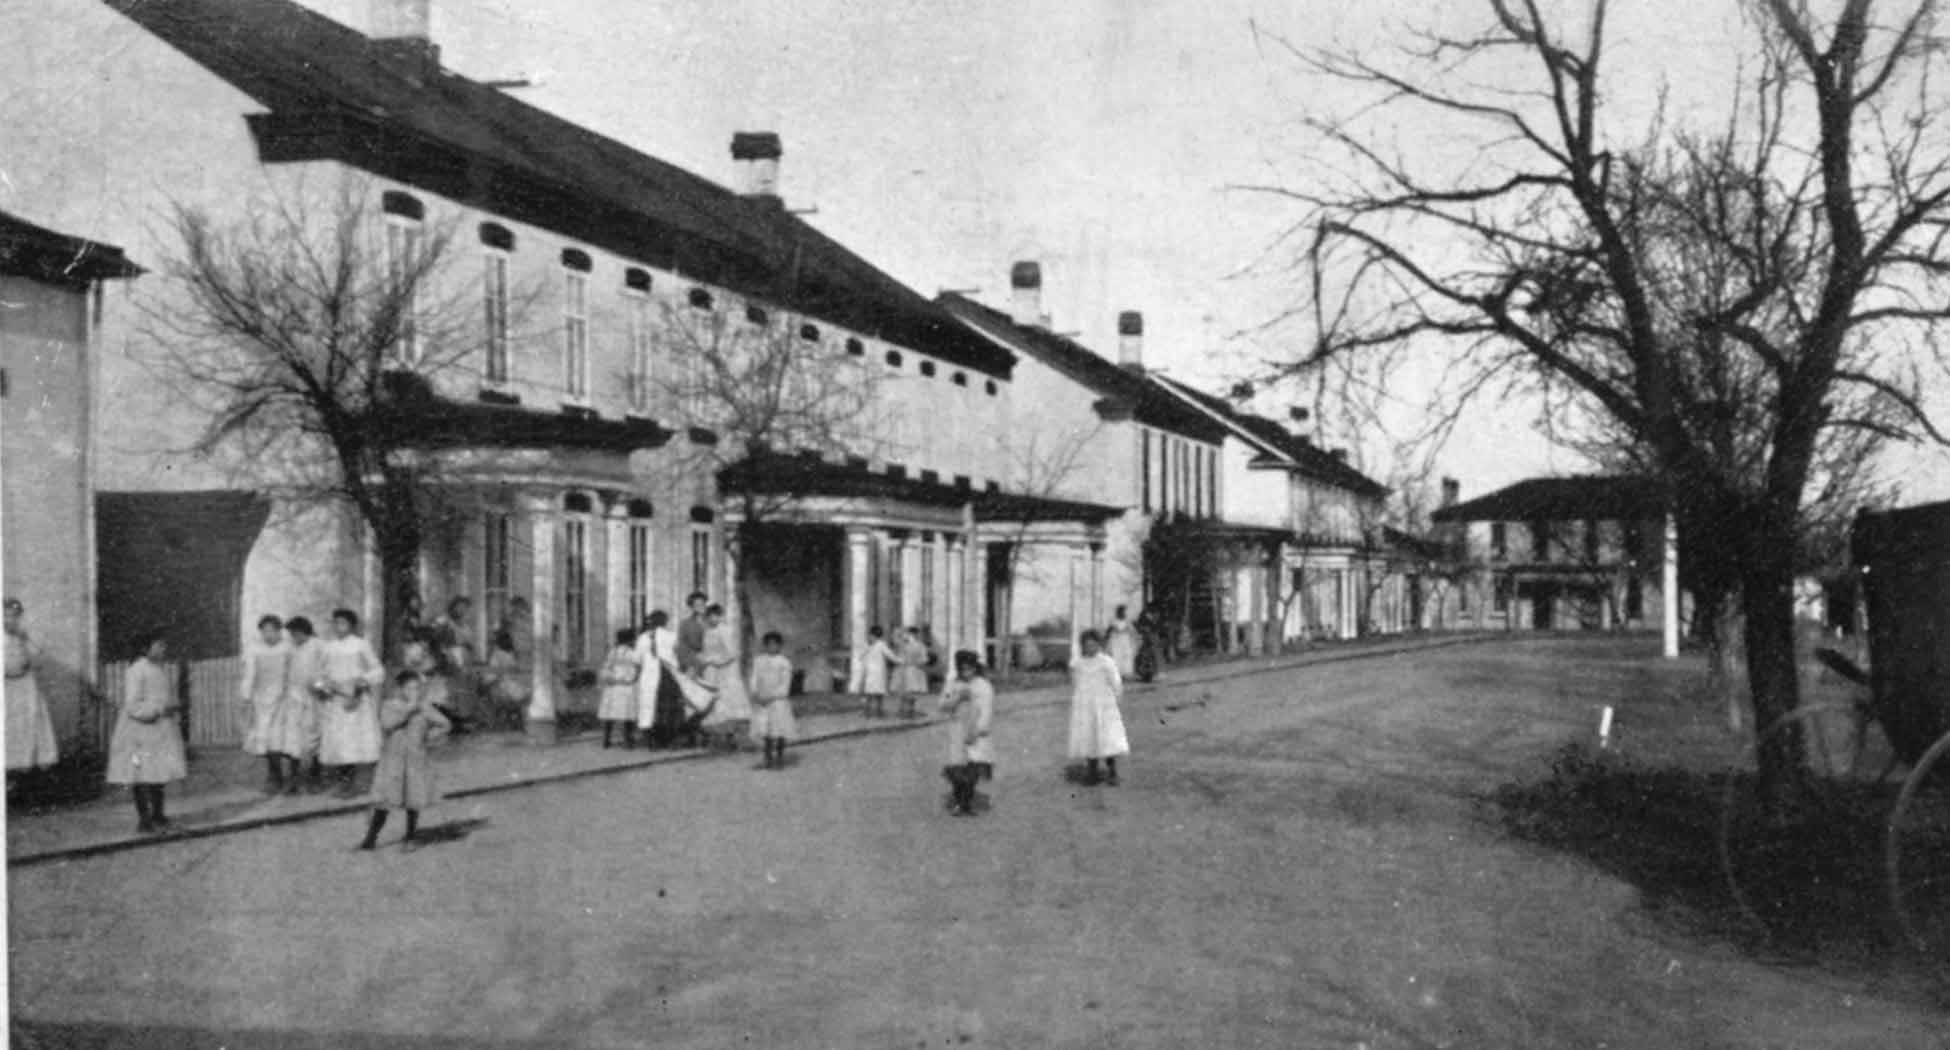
(1563, 553)
(50, 302)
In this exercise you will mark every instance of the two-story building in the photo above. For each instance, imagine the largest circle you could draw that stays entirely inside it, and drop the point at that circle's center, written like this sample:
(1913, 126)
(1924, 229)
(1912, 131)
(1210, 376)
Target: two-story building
(572, 495)
(1565, 553)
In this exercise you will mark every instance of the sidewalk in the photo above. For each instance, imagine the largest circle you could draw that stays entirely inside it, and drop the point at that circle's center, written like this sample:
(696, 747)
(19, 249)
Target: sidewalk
(221, 794)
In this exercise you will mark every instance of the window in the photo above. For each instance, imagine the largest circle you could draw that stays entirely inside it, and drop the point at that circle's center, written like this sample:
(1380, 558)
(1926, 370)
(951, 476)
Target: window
(856, 348)
(575, 324)
(497, 569)
(637, 604)
(1540, 541)
(1144, 469)
(638, 305)
(1499, 540)
(927, 368)
(1634, 598)
(1590, 541)
(494, 296)
(402, 267)
(701, 558)
(575, 587)
(893, 358)
(1462, 596)
(809, 333)
(1635, 540)
(1501, 600)
(757, 316)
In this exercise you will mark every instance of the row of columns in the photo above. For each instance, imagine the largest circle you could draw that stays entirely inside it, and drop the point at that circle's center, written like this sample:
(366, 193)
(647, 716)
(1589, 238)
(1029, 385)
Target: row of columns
(956, 604)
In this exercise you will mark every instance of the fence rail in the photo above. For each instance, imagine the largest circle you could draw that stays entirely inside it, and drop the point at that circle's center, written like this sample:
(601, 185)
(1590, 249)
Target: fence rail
(213, 714)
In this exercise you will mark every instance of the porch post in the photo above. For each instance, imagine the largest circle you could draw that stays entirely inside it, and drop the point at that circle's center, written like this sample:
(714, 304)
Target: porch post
(1669, 588)
(540, 511)
(937, 612)
(1096, 585)
(976, 630)
(616, 575)
(908, 550)
(859, 548)
(1076, 605)
(953, 567)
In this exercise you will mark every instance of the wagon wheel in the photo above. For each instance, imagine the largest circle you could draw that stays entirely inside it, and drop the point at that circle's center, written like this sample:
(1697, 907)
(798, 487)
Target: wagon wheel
(1765, 852)
(1917, 856)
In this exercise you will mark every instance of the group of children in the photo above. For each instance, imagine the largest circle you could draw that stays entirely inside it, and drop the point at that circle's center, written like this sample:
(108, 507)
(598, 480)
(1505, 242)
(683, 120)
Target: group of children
(900, 668)
(674, 684)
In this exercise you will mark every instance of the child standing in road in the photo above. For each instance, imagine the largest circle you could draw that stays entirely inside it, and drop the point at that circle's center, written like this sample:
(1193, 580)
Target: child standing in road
(911, 677)
(870, 673)
(772, 719)
(404, 779)
(969, 703)
(1096, 725)
(618, 705)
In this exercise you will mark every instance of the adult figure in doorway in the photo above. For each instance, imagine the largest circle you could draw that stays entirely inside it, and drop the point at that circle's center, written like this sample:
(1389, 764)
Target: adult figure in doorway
(690, 635)
(1121, 642)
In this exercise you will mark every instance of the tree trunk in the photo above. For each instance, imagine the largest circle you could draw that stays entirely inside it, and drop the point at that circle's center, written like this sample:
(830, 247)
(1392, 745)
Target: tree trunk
(399, 580)
(1767, 598)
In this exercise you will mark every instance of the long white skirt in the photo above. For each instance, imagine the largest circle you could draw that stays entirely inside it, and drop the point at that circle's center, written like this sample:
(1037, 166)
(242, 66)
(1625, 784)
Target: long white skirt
(1097, 728)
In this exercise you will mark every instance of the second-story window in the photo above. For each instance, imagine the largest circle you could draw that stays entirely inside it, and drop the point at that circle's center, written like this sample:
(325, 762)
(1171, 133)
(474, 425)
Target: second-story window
(1499, 540)
(575, 324)
(494, 294)
(637, 302)
(403, 267)
(1540, 541)
(1591, 540)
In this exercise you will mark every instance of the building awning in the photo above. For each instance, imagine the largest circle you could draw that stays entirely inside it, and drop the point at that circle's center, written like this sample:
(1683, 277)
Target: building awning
(39, 253)
(810, 477)
(1582, 498)
(443, 424)
(174, 562)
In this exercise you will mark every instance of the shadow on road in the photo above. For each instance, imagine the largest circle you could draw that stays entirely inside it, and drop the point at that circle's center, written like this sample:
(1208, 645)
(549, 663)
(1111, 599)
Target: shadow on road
(448, 831)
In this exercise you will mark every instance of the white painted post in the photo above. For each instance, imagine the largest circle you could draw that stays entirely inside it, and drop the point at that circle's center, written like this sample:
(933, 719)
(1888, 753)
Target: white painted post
(616, 549)
(952, 565)
(541, 513)
(859, 547)
(1669, 588)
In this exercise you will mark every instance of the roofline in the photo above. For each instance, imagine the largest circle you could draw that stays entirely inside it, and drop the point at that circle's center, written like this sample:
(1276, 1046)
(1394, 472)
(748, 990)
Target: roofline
(1180, 392)
(38, 253)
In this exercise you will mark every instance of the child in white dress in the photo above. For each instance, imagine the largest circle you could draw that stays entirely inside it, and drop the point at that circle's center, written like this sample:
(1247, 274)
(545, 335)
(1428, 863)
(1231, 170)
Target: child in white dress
(265, 691)
(772, 719)
(969, 703)
(911, 674)
(1096, 725)
(870, 666)
(618, 706)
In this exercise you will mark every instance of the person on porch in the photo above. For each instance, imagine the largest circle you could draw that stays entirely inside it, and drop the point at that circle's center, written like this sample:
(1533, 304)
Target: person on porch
(690, 635)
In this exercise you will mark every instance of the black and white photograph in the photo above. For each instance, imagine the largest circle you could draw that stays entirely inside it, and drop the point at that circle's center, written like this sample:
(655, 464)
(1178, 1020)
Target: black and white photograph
(544, 524)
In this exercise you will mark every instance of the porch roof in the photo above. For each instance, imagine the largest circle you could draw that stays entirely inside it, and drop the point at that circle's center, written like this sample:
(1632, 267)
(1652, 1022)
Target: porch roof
(1583, 497)
(444, 423)
(57, 258)
(809, 477)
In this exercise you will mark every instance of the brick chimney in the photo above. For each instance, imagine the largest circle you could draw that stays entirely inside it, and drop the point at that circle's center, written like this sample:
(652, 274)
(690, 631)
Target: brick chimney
(1026, 293)
(1451, 491)
(405, 28)
(757, 155)
(1130, 340)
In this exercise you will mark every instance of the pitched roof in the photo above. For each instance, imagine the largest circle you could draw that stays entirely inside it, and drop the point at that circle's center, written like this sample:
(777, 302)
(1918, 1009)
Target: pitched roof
(1129, 391)
(1280, 447)
(34, 251)
(1575, 498)
(334, 94)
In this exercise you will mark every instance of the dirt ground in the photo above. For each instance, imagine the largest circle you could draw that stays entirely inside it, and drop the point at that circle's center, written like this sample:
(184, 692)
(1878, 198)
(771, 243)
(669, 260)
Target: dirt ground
(1300, 859)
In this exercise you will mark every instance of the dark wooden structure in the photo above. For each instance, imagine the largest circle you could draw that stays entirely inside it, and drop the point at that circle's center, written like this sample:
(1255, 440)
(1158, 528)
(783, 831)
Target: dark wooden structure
(1904, 560)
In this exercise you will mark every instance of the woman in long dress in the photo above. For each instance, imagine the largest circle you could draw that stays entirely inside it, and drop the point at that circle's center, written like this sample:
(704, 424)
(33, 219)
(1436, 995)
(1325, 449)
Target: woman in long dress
(349, 725)
(968, 701)
(299, 731)
(660, 706)
(265, 686)
(146, 751)
(1096, 725)
(1121, 640)
(30, 732)
(911, 673)
(721, 672)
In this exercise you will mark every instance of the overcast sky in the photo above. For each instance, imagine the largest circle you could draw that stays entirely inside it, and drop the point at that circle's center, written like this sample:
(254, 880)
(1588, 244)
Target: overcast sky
(1101, 137)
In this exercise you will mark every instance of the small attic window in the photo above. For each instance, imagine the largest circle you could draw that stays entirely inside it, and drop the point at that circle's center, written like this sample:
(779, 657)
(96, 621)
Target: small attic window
(637, 278)
(577, 503)
(757, 316)
(959, 379)
(577, 259)
(495, 235)
(703, 515)
(990, 387)
(641, 508)
(927, 368)
(809, 332)
(894, 358)
(856, 348)
(404, 205)
(700, 298)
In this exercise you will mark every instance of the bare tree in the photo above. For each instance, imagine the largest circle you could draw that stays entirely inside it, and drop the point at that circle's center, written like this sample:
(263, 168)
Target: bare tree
(1827, 185)
(1043, 466)
(309, 333)
(766, 400)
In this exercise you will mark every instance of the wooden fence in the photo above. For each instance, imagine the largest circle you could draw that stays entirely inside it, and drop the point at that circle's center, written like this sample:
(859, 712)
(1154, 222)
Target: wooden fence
(214, 716)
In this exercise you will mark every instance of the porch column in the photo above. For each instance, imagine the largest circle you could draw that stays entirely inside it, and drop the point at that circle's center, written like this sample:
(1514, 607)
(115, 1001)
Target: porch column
(540, 512)
(937, 612)
(908, 551)
(859, 548)
(1669, 588)
(616, 574)
(952, 621)
(976, 629)
(1096, 586)
(1077, 606)
(729, 564)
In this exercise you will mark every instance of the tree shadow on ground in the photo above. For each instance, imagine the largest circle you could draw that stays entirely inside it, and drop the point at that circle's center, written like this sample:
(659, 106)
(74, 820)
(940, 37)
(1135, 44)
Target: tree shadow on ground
(448, 831)
(1810, 887)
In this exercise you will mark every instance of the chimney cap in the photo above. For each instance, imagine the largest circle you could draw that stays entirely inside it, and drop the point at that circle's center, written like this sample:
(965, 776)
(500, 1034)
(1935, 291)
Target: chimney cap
(756, 145)
(1298, 413)
(1130, 322)
(1026, 274)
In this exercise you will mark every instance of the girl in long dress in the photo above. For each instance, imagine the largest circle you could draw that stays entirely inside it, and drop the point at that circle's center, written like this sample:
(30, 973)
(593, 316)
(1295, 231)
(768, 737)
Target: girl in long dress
(349, 725)
(911, 670)
(298, 732)
(869, 678)
(146, 751)
(30, 732)
(264, 688)
(772, 719)
(618, 705)
(404, 778)
(1096, 725)
(1121, 640)
(721, 672)
(969, 703)
(662, 699)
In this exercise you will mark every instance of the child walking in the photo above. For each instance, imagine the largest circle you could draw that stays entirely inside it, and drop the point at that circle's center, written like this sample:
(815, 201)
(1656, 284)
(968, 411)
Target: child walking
(147, 750)
(265, 691)
(404, 779)
(911, 677)
(772, 719)
(969, 703)
(1096, 725)
(618, 706)
(870, 673)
